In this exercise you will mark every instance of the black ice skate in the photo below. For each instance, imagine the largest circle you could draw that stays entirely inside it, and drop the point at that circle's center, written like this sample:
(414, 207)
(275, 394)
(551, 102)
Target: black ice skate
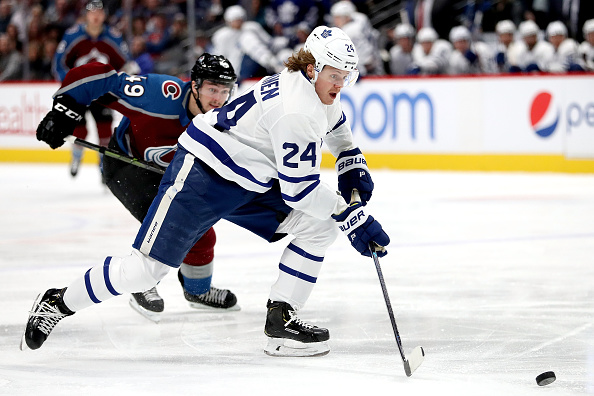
(215, 298)
(290, 336)
(148, 303)
(45, 314)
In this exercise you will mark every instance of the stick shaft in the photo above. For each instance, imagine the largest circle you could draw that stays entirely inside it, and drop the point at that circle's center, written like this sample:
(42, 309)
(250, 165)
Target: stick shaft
(115, 154)
(388, 304)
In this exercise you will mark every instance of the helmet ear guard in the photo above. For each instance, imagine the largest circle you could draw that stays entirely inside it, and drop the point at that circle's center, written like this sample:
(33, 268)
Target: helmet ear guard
(332, 47)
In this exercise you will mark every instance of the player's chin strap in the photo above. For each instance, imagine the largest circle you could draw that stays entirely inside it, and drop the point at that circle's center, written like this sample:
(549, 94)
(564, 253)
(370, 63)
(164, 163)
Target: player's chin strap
(197, 99)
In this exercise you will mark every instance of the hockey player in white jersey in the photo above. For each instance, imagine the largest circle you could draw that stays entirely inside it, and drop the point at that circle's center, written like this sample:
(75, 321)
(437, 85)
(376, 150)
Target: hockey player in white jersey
(431, 54)
(586, 49)
(469, 57)
(566, 56)
(401, 58)
(364, 36)
(531, 53)
(254, 162)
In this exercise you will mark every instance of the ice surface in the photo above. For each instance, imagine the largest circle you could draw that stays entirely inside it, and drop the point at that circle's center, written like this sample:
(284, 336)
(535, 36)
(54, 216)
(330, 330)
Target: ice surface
(491, 273)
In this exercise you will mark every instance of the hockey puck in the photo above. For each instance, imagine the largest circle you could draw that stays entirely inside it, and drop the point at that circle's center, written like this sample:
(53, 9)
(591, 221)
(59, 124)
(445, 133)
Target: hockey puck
(545, 378)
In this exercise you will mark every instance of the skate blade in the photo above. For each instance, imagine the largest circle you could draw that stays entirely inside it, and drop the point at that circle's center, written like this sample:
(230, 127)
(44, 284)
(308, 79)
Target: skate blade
(23, 346)
(150, 315)
(289, 348)
(202, 307)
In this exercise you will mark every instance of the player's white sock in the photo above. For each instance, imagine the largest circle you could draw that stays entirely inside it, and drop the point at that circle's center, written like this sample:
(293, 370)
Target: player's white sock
(299, 268)
(116, 276)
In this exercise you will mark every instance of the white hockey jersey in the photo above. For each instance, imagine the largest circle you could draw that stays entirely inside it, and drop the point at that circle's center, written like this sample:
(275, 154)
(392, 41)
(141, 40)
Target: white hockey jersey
(436, 62)
(565, 56)
(541, 55)
(400, 61)
(365, 38)
(275, 131)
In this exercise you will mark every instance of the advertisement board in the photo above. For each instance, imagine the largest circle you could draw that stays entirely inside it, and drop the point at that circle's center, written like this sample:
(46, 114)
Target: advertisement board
(438, 123)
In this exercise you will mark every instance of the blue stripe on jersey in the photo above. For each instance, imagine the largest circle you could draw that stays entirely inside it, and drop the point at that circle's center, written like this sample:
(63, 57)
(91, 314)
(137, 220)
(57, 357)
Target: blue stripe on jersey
(106, 277)
(302, 194)
(340, 122)
(220, 154)
(303, 253)
(297, 274)
(90, 288)
(291, 179)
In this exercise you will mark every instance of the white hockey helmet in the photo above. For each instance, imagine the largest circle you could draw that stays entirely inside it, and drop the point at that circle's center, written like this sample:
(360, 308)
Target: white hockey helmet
(234, 13)
(460, 33)
(343, 8)
(403, 30)
(528, 28)
(332, 47)
(588, 27)
(505, 26)
(556, 28)
(427, 34)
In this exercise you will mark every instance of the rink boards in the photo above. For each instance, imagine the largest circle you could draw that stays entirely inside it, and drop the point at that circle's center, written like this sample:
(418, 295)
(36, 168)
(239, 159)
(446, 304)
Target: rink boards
(502, 123)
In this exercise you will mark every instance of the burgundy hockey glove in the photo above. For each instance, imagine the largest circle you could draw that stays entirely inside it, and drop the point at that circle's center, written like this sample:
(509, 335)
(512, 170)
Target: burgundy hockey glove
(61, 120)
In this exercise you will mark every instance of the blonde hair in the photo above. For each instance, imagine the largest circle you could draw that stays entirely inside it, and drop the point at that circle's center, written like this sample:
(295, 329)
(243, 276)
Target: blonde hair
(299, 61)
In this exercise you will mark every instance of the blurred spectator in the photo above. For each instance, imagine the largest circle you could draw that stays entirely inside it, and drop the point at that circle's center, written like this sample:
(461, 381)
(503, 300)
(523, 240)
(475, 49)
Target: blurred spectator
(530, 53)
(566, 57)
(586, 48)
(283, 16)
(492, 12)
(61, 14)
(42, 68)
(141, 56)
(11, 60)
(5, 14)
(469, 57)
(246, 44)
(365, 38)
(431, 54)
(441, 15)
(13, 32)
(172, 56)
(505, 41)
(401, 58)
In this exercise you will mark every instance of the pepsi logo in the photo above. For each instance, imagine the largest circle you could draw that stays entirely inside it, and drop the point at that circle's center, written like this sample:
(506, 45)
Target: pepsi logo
(544, 114)
(171, 89)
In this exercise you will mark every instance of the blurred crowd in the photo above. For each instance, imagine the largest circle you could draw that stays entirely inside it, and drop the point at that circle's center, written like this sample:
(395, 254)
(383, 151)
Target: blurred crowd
(414, 37)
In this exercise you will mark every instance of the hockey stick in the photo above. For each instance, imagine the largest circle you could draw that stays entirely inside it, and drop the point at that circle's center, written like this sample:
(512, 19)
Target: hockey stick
(418, 354)
(115, 154)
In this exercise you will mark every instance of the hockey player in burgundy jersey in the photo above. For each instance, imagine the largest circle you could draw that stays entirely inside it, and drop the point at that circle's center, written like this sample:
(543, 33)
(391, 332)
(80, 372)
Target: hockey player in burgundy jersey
(156, 109)
(84, 43)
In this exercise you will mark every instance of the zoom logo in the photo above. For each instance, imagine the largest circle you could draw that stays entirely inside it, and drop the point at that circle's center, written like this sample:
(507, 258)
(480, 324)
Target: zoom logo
(544, 114)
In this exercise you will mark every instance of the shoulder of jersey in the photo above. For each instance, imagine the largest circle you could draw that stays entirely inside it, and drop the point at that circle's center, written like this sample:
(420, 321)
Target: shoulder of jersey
(115, 33)
(299, 95)
(73, 30)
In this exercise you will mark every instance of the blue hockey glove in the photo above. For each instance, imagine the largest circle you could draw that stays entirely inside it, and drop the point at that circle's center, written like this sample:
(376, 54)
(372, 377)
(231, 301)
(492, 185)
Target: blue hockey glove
(362, 229)
(61, 120)
(471, 56)
(500, 59)
(353, 174)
